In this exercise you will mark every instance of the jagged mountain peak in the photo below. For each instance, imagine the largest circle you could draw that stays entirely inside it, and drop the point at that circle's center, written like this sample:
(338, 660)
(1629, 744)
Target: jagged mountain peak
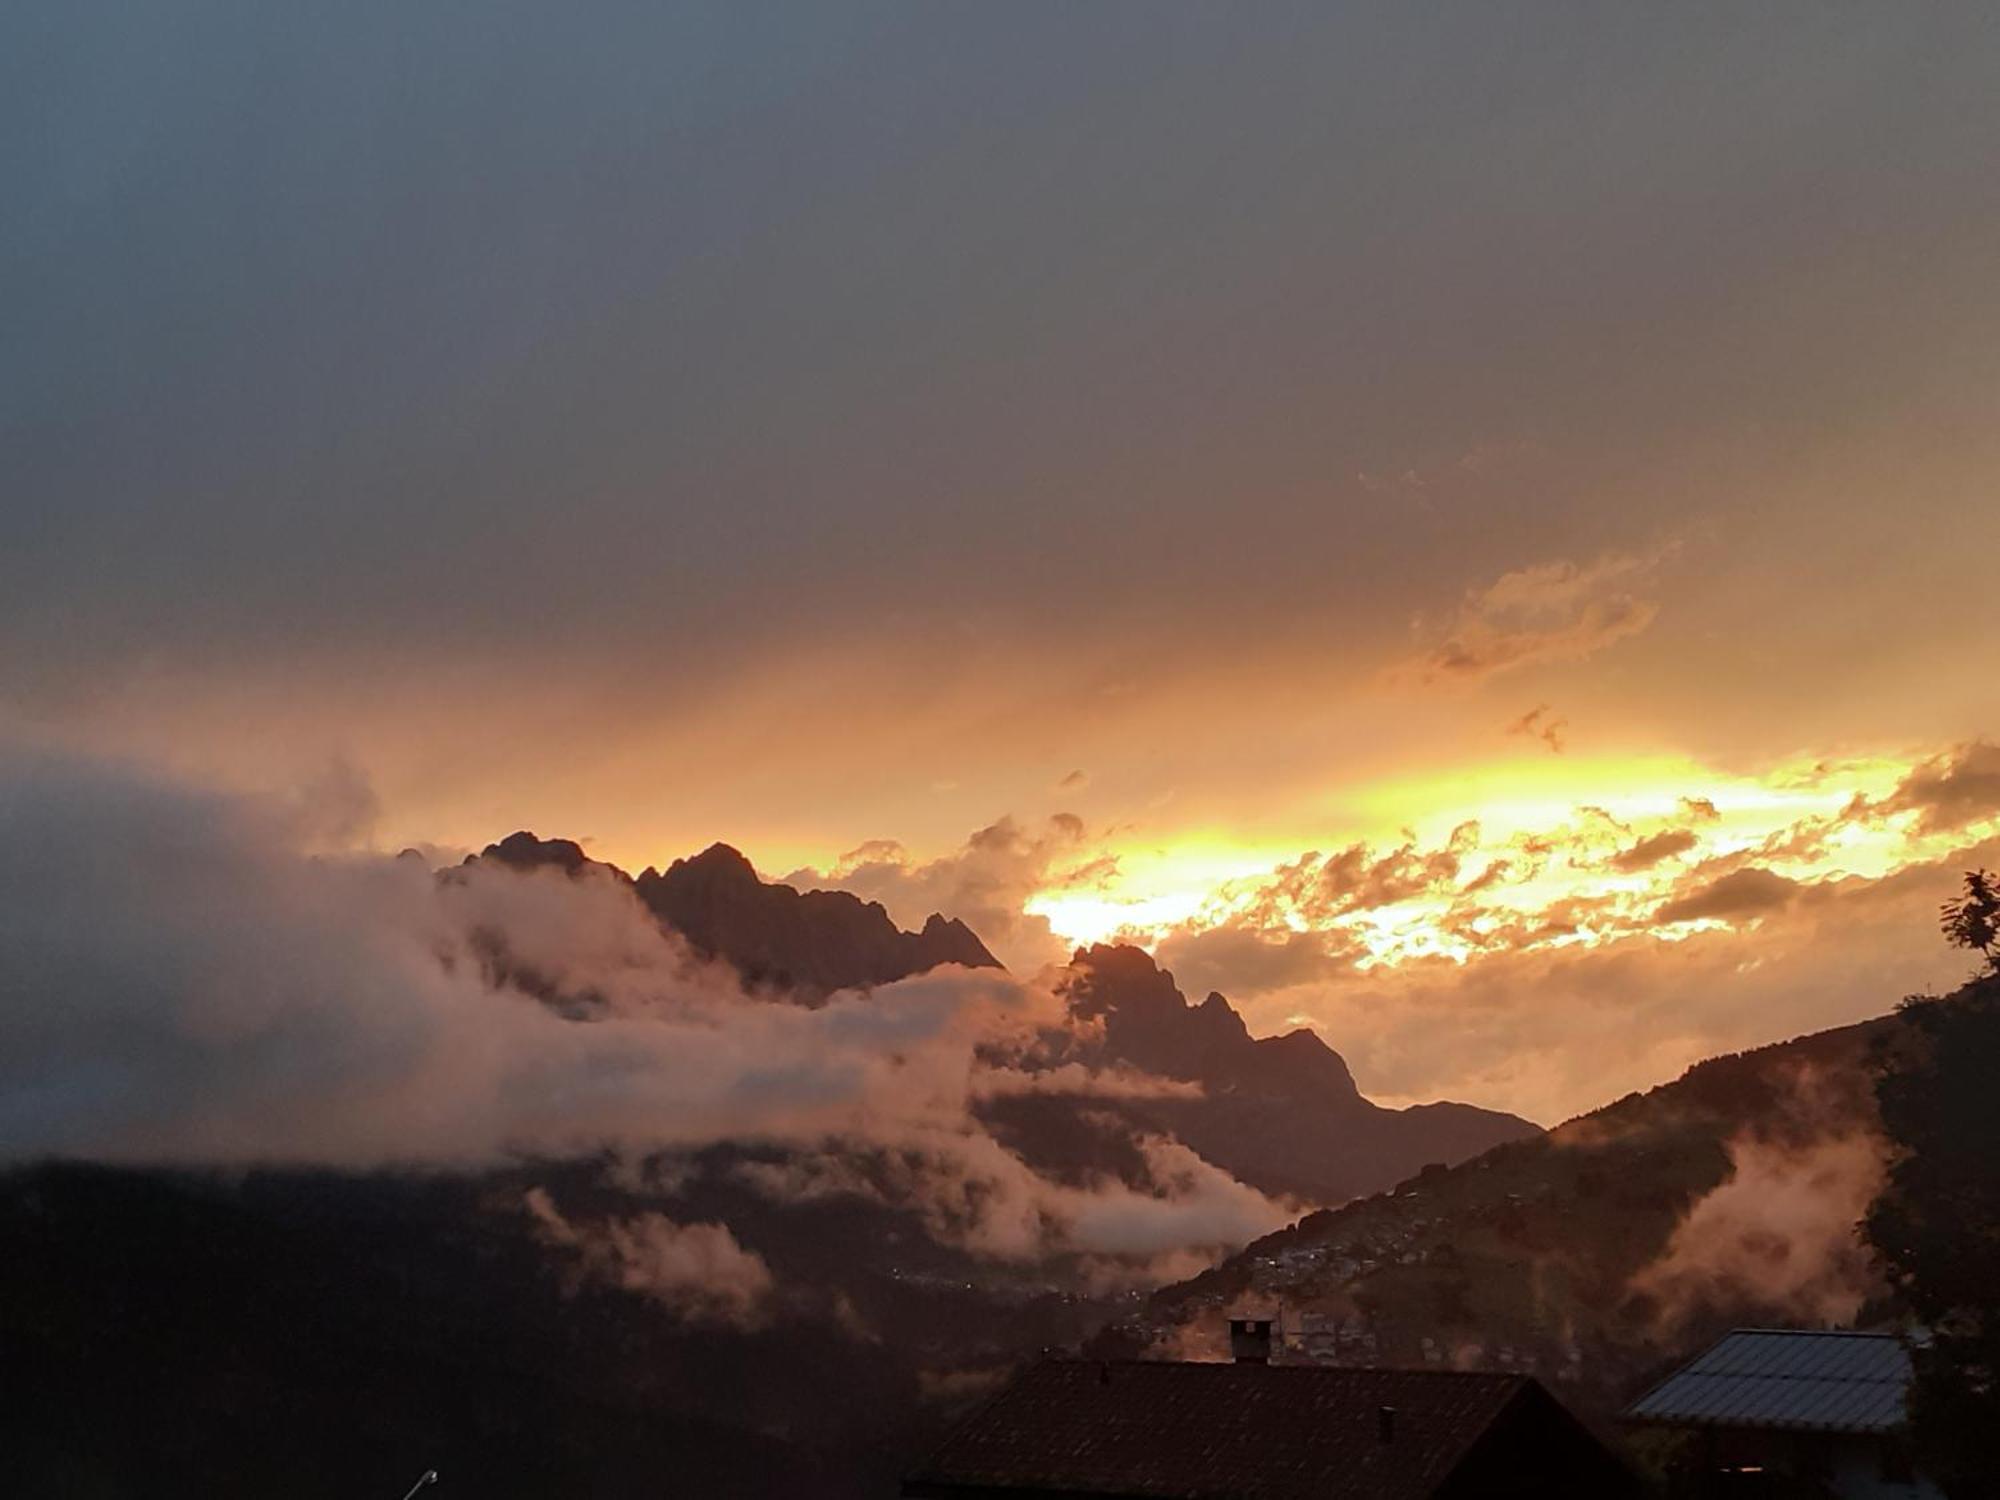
(1150, 1023)
(524, 851)
(719, 861)
(810, 943)
(806, 943)
(1281, 1112)
(940, 928)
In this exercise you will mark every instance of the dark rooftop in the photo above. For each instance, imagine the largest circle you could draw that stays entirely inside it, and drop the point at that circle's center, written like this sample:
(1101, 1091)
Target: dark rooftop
(1200, 1430)
(1803, 1380)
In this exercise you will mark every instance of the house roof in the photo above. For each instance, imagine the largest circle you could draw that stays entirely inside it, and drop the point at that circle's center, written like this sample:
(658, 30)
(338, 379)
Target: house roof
(1806, 1380)
(1259, 1432)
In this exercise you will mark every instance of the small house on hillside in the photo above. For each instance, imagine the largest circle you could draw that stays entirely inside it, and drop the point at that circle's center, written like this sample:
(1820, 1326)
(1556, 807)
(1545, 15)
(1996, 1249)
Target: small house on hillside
(1257, 1431)
(1792, 1412)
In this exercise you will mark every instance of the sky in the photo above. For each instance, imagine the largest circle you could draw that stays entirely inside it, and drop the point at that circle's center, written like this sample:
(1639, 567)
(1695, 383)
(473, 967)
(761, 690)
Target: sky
(1095, 466)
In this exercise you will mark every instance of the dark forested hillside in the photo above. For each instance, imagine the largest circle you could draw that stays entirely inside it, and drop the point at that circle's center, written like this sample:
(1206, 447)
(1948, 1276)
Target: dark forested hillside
(308, 1334)
(1593, 1253)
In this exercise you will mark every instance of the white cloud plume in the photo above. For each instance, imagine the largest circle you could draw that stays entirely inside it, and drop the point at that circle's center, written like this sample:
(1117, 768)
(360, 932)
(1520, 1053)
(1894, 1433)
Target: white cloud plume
(697, 1270)
(1780, 1232)
(971, 1191)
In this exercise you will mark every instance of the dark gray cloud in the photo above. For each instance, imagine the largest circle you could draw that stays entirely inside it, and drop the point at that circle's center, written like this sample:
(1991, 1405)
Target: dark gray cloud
(185, 985)
(379, 332)
(1654, 848)
(1732, 897)
(1947, 793)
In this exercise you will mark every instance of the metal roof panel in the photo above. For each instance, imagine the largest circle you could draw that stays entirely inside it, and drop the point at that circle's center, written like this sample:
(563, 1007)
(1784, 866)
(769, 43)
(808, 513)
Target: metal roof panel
(1818, 1380)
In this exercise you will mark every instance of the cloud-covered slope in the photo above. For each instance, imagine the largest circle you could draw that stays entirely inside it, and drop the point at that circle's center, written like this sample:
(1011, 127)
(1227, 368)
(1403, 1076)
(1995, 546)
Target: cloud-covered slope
(1594, 1253)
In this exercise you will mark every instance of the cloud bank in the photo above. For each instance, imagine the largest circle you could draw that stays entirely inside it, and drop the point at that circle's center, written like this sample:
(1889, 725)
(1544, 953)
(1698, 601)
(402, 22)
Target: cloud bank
(185, 986)
(1551, 970)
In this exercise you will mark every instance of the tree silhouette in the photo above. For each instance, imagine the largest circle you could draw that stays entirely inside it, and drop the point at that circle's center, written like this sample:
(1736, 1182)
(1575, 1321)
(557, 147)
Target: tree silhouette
(1936, 1224)
(1973, 919)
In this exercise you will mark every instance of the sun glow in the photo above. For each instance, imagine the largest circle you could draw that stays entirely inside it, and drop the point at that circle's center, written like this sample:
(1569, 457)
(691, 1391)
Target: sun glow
(1083, 920)
(1154, 888)
(1517, 853)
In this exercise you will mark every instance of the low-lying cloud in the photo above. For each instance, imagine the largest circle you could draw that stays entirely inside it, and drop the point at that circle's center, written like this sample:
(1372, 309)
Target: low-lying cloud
(1780, 1232)
(972, 1192)
(184, 986)
(697, 1271)
(1733, 897)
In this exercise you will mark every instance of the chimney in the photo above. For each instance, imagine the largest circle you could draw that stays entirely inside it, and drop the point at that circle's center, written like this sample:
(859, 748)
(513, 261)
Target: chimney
(1385, 1423)
(1250, 1340)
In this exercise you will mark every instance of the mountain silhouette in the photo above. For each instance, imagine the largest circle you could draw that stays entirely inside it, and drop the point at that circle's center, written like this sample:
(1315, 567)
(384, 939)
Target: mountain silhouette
(809, 942)
(1281, 1113)
(806, 944)
(325, 1333)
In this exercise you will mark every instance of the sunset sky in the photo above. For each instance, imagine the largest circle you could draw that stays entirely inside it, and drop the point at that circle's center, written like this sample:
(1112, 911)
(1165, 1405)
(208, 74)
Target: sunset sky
(1479, 538)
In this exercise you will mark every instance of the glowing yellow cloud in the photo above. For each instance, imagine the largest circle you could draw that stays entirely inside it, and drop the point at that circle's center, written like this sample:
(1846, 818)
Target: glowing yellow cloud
(1523, 851)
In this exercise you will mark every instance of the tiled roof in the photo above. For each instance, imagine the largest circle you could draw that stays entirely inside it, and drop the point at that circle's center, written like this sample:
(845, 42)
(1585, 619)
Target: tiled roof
(1806, 1380)
(1259, 1432)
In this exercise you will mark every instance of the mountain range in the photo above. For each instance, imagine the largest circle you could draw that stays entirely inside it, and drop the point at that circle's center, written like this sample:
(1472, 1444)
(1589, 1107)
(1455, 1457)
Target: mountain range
(803, 945)
(1282, 1114)
(316, 1332)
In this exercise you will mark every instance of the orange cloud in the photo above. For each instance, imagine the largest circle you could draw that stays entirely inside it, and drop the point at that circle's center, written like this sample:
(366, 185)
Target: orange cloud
(1549, 730)
(1948, 792)
(986, 883)
(1652, 850)
(1557, 611)
(1735, 896)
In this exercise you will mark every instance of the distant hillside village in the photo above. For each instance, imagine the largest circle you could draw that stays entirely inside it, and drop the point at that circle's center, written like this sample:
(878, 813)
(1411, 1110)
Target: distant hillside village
(1763, 1413)
(1403, 1236)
